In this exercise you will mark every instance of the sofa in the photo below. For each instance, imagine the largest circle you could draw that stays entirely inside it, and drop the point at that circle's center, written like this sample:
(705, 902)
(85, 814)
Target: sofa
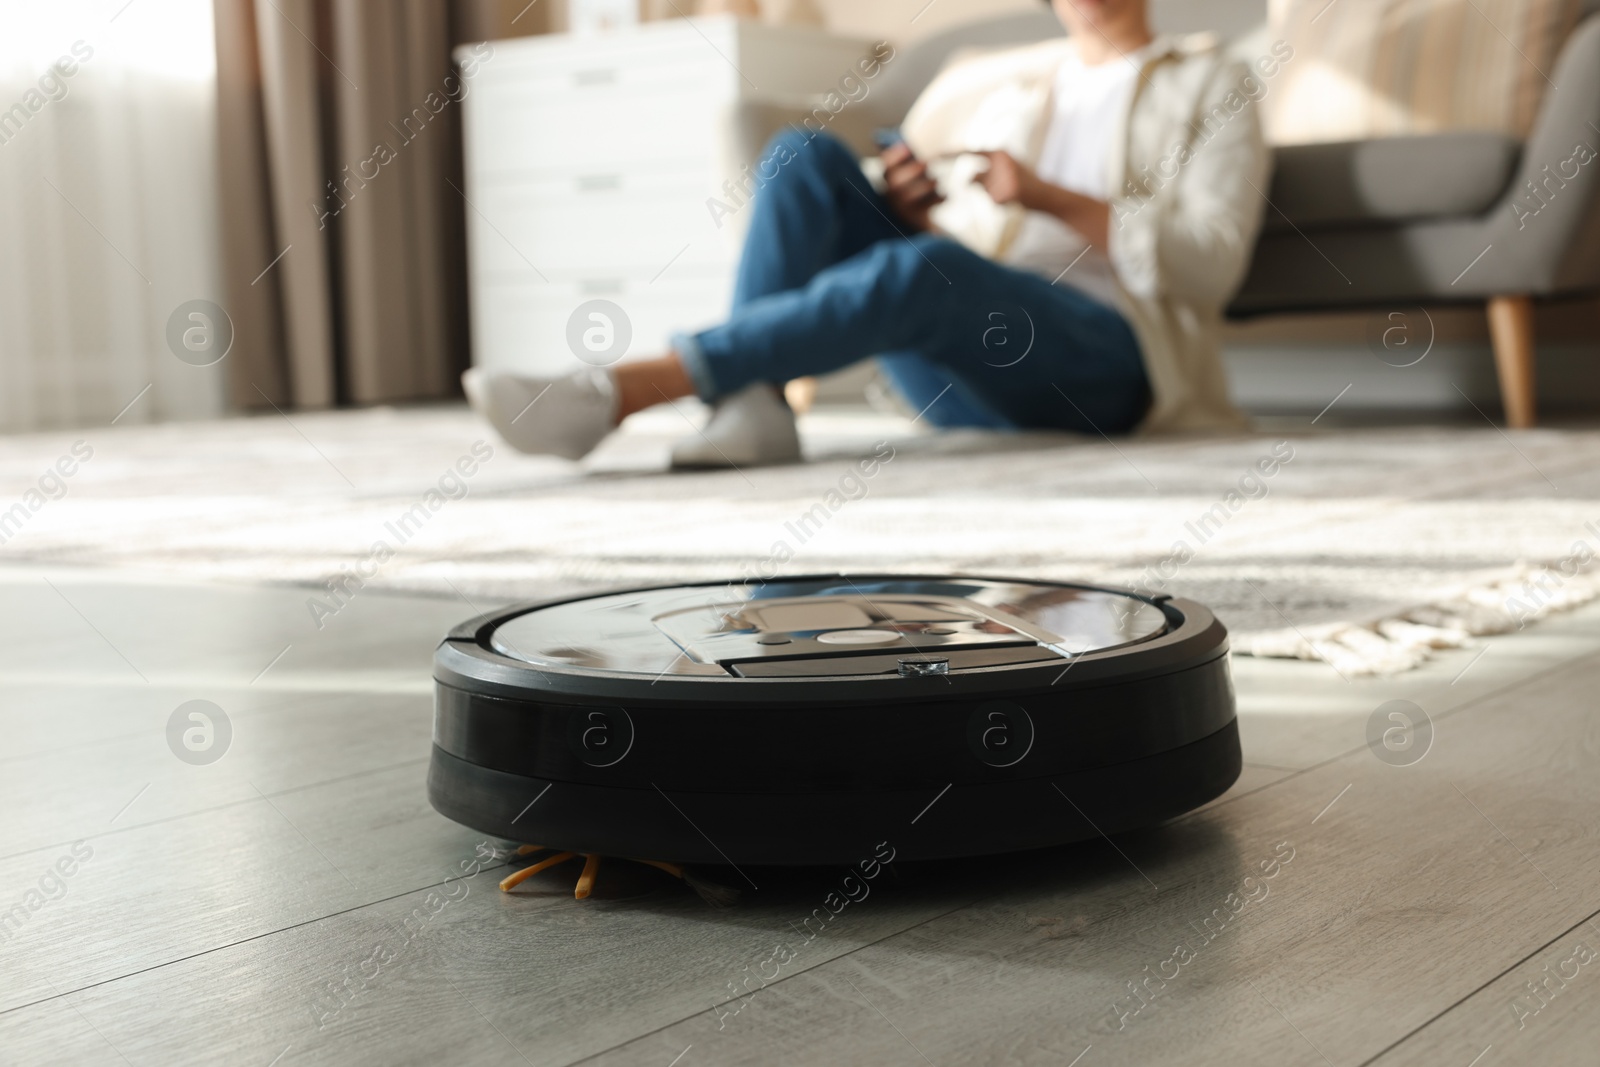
(1394, 223)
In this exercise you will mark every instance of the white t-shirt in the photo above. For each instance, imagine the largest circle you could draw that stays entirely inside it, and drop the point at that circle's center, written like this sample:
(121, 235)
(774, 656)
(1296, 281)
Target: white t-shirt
(1089, 105)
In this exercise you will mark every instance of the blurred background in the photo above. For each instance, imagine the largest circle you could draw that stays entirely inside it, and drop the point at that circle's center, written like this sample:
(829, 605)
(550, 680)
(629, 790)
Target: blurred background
(370, 203)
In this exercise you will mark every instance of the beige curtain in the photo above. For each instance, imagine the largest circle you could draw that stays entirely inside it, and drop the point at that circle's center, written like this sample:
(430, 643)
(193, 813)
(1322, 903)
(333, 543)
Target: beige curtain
(343, 238)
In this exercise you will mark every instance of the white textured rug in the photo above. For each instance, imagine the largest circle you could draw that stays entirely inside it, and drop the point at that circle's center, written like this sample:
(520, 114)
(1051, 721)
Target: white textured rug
(1350, 533)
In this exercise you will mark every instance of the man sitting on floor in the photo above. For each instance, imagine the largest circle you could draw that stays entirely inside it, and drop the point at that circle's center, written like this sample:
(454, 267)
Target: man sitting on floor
(1101, 209)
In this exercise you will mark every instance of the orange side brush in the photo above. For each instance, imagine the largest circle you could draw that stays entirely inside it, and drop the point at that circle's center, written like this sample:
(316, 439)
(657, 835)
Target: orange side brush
(511, 881)
(718, 895)
(591, 866)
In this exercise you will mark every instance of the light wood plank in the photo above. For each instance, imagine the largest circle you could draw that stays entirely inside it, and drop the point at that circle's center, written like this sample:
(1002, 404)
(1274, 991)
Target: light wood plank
(1542, 1010)
(316, 990)
(158, 893)
(135, 779)
(78, 627)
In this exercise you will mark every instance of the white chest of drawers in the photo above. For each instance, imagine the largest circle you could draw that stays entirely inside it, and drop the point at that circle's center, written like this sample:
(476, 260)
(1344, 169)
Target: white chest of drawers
(589, 164)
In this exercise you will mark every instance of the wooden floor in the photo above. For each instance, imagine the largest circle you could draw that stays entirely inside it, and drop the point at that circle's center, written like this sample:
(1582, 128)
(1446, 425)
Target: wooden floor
(288, 904)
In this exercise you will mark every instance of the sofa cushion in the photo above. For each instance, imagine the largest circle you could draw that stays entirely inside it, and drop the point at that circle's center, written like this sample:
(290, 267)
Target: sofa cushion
(1385, 68)
(1390, 180)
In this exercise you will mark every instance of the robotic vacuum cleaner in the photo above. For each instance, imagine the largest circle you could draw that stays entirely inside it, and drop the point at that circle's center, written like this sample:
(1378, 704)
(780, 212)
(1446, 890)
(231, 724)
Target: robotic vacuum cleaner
(811, 720)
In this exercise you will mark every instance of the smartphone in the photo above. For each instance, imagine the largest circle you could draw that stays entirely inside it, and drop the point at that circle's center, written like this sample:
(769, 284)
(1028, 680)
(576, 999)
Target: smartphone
(886, 137)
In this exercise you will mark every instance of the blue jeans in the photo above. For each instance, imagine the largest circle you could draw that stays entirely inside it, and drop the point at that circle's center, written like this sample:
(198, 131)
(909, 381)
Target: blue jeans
(828, 277)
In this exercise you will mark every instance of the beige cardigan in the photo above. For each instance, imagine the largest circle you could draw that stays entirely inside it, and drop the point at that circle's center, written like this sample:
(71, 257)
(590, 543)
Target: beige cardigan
(1191, 169)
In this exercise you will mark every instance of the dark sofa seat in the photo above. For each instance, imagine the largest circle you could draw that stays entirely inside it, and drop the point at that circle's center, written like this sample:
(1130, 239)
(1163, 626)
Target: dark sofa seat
(1398, 179)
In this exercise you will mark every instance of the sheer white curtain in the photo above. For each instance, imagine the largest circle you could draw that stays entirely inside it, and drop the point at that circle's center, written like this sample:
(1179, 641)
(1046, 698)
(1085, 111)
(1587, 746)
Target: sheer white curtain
(108, 209)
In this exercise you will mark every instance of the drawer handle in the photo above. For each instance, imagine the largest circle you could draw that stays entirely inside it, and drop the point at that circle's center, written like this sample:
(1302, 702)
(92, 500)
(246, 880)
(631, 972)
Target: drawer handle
(593, 286)
(586, 78)
(599, 183)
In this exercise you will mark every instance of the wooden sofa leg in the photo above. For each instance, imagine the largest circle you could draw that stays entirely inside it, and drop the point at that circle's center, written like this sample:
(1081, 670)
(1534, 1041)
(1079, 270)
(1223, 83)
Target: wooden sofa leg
(1511, 332)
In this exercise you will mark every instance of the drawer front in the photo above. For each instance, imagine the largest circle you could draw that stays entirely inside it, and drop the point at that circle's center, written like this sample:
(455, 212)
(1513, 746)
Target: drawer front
(516, 131)
(654, 94)
(588, 59)
(654, 117)
(522, 326)
(631, 225)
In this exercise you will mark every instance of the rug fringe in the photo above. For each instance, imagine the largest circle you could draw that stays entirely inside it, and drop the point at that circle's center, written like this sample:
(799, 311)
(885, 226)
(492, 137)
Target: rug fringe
(1406, 639)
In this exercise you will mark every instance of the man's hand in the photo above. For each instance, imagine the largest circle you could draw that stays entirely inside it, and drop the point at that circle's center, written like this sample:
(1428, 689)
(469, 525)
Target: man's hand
(1009, 182)
(911, 191)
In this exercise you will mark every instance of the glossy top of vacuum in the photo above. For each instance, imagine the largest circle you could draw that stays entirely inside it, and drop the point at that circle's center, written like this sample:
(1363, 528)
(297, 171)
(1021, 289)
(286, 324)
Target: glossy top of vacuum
(783, 628)
(862, 629)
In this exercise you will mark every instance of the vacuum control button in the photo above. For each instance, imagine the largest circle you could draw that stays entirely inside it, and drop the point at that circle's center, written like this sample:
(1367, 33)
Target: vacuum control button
(858, 637)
